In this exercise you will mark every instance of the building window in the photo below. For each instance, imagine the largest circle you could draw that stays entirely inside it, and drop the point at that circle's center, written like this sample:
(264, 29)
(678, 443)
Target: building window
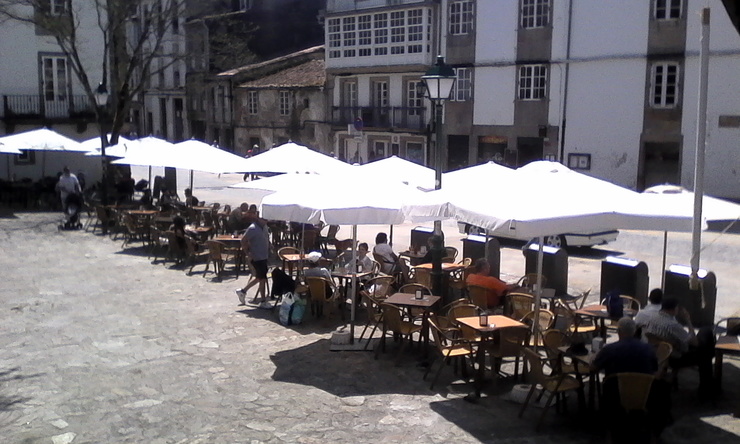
(284, 103)
(415, 31)
(667, 9)
(252, 102)
(532, 82)
(463, 89)
(335, 38)
(26, 157)
(415, 98)
(398, 32)
(245, 5)
(58, 7)
(535, 13)
(55, 74)
(380, 94)
(461, 17)
(664, 85)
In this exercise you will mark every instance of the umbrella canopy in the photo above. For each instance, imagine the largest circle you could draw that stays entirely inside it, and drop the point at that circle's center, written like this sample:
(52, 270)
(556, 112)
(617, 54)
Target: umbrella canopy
(92, 146)
(256, 190)
(292, 158)
(404, 170)
(147, 151)
(196, 155)
(42, 139)
(332, 200)
(713, 209)
(8, 150)
(471, 178)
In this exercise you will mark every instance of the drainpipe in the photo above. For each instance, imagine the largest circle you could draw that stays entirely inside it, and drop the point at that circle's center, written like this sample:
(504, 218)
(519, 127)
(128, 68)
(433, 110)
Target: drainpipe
(565, 81)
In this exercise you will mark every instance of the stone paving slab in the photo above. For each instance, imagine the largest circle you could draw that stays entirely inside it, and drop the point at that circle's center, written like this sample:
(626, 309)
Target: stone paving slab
(98, 345)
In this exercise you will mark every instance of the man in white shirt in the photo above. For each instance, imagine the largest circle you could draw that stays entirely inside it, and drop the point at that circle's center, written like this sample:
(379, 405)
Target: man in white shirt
(651, 310)
(68, 184)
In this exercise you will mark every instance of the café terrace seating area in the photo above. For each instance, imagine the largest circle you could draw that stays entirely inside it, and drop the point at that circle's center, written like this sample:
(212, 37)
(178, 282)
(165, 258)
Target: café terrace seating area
(464, 345)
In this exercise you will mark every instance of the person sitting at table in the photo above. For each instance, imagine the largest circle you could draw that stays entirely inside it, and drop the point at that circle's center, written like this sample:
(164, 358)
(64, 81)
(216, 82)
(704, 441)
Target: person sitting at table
(650, 311)
(384, 254)
(178, 227)
(481, 277)
(190, 200)
(363, 260)
(673, 325)
(316, 270)
(630, 355)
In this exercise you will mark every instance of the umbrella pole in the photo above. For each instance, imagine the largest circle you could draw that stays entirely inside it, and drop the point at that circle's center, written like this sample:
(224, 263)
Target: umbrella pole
(43, 164)
(538, 293)
(391, 240)
(150, 176)
(191, 181)
(354, 286)
(662, 270)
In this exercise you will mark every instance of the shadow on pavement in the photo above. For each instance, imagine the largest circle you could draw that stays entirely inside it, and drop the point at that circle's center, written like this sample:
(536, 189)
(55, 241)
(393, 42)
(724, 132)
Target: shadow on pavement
(10, 404)
(338, 372)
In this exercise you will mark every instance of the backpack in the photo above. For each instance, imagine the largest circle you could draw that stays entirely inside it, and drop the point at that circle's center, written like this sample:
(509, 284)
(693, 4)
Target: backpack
(614, 305)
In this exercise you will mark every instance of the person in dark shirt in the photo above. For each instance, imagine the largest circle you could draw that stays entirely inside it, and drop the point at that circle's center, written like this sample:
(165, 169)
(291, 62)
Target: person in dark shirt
(629, 354)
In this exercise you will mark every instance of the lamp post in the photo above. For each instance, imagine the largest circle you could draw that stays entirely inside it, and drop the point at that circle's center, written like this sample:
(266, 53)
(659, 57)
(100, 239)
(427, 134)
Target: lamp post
(101, 99)
(439, 80)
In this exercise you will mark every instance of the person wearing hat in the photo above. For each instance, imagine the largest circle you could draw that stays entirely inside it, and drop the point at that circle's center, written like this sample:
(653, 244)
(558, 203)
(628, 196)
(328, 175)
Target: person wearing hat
(316, 270)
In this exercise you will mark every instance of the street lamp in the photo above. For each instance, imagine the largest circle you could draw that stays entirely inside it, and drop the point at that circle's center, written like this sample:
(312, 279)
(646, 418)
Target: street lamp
(101, 99)
(439, 80)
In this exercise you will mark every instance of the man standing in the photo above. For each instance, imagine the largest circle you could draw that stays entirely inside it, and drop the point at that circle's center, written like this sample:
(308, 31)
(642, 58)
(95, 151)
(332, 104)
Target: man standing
(68, 184)
(256, 246)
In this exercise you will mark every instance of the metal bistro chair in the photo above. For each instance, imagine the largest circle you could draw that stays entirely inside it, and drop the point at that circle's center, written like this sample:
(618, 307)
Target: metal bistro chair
(403, 330)
(449, 347)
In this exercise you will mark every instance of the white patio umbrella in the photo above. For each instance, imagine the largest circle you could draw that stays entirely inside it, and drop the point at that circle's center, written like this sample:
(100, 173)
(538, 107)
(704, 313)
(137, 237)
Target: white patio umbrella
(293, 158)
(256, 190)
(196, 155)
(403, 170)
(42, 139)
(8, 150)
(548, 199)
(325, 199)
(92, 146)
(668, 197)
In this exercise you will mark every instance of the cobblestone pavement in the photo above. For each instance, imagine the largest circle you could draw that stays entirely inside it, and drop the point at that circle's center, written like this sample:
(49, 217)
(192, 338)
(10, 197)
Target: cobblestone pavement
(99, 345)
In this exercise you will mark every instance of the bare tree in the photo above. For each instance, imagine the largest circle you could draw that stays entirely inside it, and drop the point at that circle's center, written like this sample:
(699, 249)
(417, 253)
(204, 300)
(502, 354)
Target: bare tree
(133, 33)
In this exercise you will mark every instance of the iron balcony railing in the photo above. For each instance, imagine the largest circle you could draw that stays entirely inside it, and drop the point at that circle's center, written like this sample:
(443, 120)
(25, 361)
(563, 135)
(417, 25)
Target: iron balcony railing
(396, 117)
(34, 106)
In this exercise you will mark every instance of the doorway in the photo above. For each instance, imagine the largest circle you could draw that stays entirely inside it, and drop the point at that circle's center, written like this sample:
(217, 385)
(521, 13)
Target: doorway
(661, 164)
(529, 149)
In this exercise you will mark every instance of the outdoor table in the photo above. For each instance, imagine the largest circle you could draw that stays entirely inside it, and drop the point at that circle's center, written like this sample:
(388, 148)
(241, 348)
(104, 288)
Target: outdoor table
(495, 323)
(202, 208)
(725, 344)
(599, 312)
(345, 277)
(426, 303)
(142, 212)
(583, 361)
(293, 258)
(201, 233)
(446, 267)
(414, 257)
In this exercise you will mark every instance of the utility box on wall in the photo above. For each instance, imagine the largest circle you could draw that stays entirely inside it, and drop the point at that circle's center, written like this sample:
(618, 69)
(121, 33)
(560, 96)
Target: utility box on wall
(628, 276)
(554, 266)
(474, 247)
(699, 303)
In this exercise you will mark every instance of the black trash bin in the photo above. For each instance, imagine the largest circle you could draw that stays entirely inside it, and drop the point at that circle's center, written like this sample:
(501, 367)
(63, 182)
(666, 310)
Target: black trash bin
(699, 303)
(554, 266)
(474, 247)
(628, 276)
